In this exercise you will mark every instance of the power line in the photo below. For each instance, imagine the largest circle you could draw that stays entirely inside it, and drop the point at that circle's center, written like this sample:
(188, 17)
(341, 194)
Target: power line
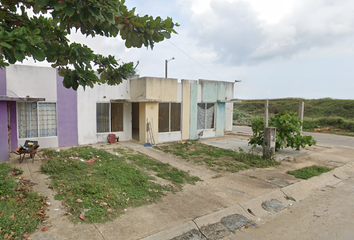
(193, 59)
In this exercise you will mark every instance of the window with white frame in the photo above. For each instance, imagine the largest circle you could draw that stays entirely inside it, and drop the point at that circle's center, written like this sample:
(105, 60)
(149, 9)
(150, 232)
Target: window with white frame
(169, 117)
(36, 119)
(206, 116)
(109, 117)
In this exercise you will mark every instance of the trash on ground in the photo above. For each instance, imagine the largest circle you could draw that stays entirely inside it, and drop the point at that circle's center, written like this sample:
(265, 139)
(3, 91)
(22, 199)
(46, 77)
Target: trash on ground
(82, 216)
(92, 160)
(46, 228)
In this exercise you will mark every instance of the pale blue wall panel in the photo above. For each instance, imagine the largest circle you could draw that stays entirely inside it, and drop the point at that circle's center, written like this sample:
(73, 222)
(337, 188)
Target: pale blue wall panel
(220, 119)
(209, 91)
(221, 91)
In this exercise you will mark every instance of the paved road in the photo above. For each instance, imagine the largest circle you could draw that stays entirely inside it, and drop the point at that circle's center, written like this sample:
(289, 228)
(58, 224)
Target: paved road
(321, 138)
(326, 215)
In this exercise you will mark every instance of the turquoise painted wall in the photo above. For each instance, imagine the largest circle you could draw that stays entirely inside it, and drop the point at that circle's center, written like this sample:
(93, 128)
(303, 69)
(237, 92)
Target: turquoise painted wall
(194, 110)
(213, 91)
(220, 119)
(221, 91)
(209, 91)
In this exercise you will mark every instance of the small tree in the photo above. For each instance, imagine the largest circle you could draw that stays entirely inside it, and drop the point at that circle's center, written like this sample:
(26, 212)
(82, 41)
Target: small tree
(288, 126)
(39, 29)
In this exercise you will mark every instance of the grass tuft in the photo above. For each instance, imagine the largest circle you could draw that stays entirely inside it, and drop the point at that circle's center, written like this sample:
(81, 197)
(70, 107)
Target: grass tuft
(309, 172)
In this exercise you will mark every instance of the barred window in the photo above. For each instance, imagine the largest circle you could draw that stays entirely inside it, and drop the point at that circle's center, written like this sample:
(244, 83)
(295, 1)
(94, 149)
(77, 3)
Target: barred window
(27, 119)
(47, 113)
(109, 117)
(36, 119)
(102, 117)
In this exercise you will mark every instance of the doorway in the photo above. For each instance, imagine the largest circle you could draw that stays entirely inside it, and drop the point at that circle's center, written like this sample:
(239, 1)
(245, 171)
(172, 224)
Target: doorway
(9, 125)
(135, 121)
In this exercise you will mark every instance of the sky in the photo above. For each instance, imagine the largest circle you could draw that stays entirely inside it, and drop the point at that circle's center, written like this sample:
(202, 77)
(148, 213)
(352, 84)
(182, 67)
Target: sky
(277, 48)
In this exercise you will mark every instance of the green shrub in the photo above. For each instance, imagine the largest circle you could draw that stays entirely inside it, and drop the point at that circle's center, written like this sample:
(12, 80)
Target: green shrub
(288, 133)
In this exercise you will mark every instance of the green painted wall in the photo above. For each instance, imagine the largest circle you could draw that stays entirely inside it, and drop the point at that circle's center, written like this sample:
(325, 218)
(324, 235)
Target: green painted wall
(194, 110)
(220, 119)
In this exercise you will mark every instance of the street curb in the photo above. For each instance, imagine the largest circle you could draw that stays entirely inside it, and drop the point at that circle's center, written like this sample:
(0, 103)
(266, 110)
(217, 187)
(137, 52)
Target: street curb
(253, 210)
(254, 206)
(172, 232)
(215, 217)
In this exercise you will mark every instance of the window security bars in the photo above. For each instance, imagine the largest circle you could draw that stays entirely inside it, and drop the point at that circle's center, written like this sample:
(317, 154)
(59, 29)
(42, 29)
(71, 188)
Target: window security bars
(109, 117)
(36, 119)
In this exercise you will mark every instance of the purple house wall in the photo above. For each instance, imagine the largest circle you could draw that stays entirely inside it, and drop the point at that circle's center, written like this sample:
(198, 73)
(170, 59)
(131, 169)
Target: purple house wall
(13, 124)
(67, 130)
(67, 114)
(4, 144)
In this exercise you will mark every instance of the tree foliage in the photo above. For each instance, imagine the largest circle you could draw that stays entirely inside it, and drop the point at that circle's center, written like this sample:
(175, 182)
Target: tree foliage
(288, 131)
(39, 29)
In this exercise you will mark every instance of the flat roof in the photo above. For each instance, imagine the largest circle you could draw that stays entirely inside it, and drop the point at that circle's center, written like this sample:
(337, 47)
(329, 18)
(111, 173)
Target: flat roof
(15, 99)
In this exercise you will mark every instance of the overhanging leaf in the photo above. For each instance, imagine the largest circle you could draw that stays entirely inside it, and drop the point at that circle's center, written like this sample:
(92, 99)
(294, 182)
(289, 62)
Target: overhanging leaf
(59, 6)
(37, 53)
(4, 44)
(69, 10)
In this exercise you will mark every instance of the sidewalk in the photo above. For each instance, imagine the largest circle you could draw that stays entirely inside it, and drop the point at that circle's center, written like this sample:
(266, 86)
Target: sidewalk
(198, 209)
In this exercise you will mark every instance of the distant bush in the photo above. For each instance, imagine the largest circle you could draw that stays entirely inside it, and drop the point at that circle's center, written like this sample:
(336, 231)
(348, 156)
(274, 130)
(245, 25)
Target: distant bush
(319, 113)
(334, 122)
(314, 108)
(242, 118)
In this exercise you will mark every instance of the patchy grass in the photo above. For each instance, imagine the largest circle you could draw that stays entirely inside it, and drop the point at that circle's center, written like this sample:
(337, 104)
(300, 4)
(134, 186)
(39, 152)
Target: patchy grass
(102, 190)
(21, 209)
(162, 170)
(309, 172)
(216, 158)
(98, 191)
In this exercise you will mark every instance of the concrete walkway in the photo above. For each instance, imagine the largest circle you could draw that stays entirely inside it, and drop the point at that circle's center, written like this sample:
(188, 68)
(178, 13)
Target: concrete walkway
(197, 212)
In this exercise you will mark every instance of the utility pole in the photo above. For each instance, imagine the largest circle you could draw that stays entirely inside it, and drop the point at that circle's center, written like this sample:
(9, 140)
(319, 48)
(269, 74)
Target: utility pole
(269, 139)
(166, 62)
(301, 116)
(266, 106)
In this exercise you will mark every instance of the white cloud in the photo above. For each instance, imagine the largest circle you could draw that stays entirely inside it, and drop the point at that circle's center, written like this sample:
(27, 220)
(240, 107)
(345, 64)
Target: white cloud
(237, 33)
(278, 48)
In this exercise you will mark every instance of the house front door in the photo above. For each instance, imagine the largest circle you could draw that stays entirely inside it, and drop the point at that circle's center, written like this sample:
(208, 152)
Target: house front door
(9, 125)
